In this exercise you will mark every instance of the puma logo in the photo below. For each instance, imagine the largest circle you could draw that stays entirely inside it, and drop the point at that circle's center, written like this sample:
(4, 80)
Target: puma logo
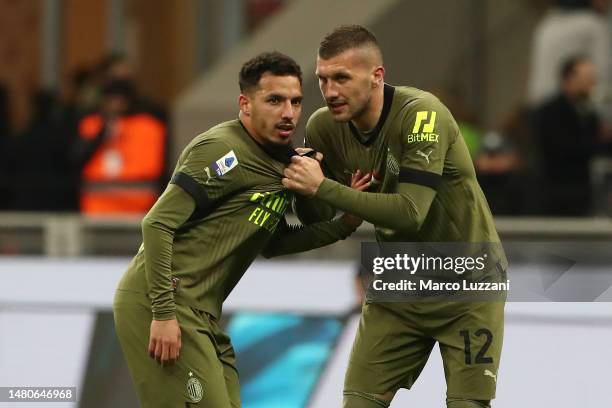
(488, 373)
(207, 170)
(425, 156)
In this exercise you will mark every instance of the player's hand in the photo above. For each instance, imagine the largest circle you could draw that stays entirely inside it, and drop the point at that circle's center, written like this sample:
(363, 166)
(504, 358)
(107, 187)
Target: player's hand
(165, 341)
(303, 175)
(303, 150)
(360, 182)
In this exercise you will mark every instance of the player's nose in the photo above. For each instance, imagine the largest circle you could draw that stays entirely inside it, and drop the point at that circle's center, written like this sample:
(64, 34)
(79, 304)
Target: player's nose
(330, 93)
(288, 110)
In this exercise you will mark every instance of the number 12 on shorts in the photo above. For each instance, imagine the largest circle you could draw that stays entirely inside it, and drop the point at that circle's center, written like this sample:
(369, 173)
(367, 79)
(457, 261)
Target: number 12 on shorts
(481, 358)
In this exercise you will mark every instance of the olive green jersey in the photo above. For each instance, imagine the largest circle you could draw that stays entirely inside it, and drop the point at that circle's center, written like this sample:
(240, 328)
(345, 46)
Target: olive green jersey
(424, 187)
(224, 205)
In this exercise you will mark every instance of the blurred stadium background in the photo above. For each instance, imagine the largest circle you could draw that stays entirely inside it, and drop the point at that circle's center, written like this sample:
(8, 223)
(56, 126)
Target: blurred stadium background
(292, 320)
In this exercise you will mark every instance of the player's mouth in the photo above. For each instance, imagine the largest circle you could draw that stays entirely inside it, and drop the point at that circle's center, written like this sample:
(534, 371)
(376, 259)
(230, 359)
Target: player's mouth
(285, 129)
(337, 107)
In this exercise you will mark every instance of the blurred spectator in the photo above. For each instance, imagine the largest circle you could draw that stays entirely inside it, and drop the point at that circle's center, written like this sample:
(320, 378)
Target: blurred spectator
(568, 131)
(571, 28)
(117, 67)
(41, 182)
(84, 94)
(122, 151)
(498, 168)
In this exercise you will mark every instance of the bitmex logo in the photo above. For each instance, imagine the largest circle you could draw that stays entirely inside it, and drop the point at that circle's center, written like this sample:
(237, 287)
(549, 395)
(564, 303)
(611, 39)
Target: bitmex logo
(423, 130)
(428, 127)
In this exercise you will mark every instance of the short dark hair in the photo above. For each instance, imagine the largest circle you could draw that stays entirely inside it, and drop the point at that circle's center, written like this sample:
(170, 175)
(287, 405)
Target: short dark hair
(344, 38)
(569, 65)
(274, 62)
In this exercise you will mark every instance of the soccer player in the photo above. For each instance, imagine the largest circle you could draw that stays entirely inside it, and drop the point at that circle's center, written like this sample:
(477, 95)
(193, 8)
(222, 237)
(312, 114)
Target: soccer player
(223, 206)
(423, 189)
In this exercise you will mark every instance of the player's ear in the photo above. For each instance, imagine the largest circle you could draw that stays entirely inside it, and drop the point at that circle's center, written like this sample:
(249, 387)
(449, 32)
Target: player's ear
(245, 104)
(378, 76)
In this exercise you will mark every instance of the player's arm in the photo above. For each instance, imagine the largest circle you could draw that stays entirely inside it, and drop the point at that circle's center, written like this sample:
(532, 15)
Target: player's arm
(404, 210)
(291, 239)
(159, 226)
(420, 174)
(310, 210)
(190, 193)
(171, 210)
(193, 189)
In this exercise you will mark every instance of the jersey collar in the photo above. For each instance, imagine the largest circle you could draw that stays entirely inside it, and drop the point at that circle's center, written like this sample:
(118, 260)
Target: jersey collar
(389, 91)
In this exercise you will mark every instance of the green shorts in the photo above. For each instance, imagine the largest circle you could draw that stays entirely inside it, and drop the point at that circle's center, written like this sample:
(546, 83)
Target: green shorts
(394, 341)
(204, 375)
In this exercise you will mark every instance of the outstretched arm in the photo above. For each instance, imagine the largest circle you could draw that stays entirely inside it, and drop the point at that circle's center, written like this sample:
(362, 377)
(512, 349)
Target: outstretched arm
(290, 239)
(404, 210)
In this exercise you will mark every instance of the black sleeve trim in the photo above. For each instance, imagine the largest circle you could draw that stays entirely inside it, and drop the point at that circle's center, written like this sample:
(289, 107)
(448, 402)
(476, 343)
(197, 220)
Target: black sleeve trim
(194, 189)
(420, 177)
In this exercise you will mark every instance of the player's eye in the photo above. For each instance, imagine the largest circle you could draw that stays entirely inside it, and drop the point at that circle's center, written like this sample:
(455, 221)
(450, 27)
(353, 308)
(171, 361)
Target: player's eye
(341, 78)
(296, 101)
(274, 100)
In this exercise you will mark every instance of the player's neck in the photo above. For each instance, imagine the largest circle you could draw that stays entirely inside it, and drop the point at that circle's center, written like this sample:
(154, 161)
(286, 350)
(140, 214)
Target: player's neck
(371, 115)
(248, 125)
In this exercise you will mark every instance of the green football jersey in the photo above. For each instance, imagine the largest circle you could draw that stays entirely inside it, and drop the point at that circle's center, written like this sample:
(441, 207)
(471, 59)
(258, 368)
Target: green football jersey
(425, 186)
(224, 205)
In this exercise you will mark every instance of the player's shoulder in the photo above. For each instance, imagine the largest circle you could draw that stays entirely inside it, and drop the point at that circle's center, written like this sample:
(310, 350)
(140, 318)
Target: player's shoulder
(320, 120)
(412, 100)
(225, 134)
(219, 139)
(321, 115)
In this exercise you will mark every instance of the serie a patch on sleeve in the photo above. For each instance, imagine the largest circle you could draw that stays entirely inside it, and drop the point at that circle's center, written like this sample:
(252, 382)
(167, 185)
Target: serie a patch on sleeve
(225, 164)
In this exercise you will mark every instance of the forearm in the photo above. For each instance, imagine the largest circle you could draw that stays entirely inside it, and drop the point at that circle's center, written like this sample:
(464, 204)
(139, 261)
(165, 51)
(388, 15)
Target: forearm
(158, 229)
(404, 210)
(310, 210)
(292, 239)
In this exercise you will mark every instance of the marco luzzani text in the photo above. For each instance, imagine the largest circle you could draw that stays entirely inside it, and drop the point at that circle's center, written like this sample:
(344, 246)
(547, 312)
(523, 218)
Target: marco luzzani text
(413, 265)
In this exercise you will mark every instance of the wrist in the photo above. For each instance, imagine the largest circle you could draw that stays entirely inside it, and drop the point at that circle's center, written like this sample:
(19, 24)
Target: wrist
(320, 190)
(351, 221)
(164, 315)
(318, 186)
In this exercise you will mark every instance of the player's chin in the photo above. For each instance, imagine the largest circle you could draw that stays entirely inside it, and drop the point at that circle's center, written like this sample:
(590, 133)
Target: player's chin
(281, 138)
(341, 116)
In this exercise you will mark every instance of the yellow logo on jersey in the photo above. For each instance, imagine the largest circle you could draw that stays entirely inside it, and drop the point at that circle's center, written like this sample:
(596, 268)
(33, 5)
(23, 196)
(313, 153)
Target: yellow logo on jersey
(428, 127)
(423, 130)
(271, 208)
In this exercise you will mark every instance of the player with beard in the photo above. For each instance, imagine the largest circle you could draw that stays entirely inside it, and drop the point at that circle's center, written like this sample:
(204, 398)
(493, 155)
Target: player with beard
(224, 205)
